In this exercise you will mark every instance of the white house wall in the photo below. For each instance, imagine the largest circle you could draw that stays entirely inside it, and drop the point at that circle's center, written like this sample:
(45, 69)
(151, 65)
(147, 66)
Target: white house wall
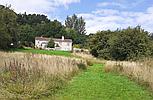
(65, 46)
(39, 44)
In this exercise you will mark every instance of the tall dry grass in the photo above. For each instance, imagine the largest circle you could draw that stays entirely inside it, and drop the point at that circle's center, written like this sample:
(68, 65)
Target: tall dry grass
(30, 76)
(140, 71)
(89, 58)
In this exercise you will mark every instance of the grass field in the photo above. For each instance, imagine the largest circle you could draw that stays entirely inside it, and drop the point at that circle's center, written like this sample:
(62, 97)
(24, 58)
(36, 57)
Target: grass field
(26, 76)
(95, 84)
(37, 51)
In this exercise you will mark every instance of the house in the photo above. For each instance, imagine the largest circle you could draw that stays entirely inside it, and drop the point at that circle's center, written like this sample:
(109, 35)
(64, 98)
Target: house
(60, 44)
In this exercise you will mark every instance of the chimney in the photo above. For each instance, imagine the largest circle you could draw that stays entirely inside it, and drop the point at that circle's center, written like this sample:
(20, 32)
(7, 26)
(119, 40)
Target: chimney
(62, 37)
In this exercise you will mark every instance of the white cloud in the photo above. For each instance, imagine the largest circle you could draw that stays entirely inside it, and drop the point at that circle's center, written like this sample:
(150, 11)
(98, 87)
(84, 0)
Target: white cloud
(37, 6)
(104, 19)
(105, 4)
(106, 12)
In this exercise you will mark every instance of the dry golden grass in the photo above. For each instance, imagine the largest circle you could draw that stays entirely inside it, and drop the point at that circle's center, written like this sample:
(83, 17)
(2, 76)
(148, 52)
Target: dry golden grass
(141, 71)
(89, 58)
(51, 64)
(28, 76)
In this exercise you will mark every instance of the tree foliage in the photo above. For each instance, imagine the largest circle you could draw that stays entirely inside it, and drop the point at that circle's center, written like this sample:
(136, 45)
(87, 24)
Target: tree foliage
(33, 25)
(8, 28)
(32, 19)
(126, 44)
(76, 23)
(51, 43)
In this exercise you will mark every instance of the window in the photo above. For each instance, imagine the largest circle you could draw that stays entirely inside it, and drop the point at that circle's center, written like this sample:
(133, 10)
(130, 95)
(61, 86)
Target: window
(68, 44)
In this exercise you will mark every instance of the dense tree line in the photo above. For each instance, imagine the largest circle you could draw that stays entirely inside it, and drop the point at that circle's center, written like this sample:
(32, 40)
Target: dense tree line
(33, 25)
(23, 28)
(126, 44)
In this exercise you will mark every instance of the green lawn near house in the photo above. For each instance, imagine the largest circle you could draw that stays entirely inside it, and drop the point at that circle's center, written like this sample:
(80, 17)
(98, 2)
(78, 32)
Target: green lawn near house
(48, 52)
(95, 84)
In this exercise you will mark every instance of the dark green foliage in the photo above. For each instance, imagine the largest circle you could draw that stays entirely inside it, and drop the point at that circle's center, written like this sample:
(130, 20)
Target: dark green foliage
(51, 43)
(30, 28)
(126, 44)
(78, 24)
(32, 19)
(53, 29)
(82, 66)
(75, 28)
(23, 28)
(38, 25)
(8, 28)
(77, 38)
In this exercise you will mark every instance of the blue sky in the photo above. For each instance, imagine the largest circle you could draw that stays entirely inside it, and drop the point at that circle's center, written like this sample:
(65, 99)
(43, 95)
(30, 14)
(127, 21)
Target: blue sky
(98, 14)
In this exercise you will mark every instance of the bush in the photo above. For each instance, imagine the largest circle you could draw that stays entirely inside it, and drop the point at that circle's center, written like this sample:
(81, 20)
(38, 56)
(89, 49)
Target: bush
(51, 43)
(126, 44)
(82, 66)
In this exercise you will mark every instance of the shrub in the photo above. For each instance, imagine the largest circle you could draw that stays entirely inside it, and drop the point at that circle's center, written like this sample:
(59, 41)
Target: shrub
(51, 43)
(82, 66)
(125, 44)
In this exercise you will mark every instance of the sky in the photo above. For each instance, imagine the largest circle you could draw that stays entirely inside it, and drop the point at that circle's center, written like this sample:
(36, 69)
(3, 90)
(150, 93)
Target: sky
(98, 14)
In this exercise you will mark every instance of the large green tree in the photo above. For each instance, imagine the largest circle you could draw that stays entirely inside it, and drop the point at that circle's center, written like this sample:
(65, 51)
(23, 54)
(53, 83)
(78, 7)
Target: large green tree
(8, 28)
(76, 23)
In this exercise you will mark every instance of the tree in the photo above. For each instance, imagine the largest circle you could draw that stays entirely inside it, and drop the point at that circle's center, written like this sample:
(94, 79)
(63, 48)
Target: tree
(33, 25)
(99, 44)
(132, 44)
(126, 44)
(27, 35)
(31, 19)
(78, 24)
(8, 28)
(51, 43)
(56, 29)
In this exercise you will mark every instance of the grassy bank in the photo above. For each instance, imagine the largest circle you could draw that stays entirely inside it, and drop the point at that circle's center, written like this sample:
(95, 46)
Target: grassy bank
(47, 52)
(95, 84)
(27, 76)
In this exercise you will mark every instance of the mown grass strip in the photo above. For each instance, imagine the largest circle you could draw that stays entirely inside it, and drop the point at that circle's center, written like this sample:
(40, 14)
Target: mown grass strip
(95, 84)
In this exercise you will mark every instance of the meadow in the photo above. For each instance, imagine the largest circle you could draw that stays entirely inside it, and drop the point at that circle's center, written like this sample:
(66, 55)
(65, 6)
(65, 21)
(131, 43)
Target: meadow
(140, 71)
(32, 76)
(49, 75)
